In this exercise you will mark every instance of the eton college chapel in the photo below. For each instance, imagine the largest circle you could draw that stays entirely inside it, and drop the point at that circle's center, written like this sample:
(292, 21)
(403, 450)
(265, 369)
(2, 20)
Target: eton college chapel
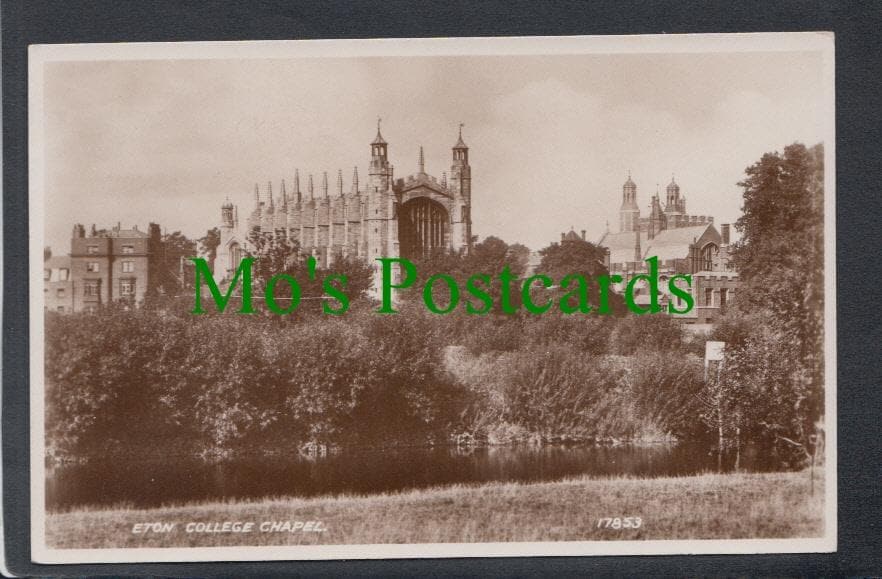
(380, 216)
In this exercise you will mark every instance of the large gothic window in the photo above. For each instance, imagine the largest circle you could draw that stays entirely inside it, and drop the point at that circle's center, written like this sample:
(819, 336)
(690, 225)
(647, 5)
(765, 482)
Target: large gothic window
(422, 227)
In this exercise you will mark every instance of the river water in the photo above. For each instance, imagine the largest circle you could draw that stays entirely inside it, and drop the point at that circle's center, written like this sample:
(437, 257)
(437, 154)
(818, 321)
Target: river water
(173, 481)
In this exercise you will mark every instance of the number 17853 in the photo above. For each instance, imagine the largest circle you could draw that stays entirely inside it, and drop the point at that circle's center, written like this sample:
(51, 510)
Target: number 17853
(619, 523)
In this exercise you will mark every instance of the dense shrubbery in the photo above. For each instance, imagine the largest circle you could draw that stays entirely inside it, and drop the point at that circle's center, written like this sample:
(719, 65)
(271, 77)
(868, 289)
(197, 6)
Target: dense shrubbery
(154, 380)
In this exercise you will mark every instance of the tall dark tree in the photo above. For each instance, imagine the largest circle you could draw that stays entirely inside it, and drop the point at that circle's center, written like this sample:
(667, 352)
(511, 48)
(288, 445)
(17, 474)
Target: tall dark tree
(780, 259)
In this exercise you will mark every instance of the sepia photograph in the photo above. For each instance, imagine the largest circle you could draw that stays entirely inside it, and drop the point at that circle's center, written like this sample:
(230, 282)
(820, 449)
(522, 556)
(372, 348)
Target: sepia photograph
(453, 297)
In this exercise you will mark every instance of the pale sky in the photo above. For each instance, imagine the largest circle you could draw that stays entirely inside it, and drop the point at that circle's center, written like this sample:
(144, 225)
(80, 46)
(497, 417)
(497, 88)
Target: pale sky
(552, 138)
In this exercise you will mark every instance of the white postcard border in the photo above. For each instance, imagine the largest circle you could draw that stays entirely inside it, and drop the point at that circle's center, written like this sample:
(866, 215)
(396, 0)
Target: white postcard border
(38, 55)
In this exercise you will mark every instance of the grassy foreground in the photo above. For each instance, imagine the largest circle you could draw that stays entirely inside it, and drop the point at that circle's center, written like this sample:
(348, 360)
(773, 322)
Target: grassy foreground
(710, 506)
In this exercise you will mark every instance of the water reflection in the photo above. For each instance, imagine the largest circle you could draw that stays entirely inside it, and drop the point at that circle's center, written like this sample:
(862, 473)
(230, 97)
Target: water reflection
(153, 483)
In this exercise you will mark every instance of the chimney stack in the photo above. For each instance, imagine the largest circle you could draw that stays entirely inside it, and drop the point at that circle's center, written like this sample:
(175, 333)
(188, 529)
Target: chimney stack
(725, 232)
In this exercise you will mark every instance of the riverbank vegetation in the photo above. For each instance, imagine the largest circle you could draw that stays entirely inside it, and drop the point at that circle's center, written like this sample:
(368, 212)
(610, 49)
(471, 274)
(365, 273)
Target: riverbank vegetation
(134, 381)
(158, 380)
(710, 506)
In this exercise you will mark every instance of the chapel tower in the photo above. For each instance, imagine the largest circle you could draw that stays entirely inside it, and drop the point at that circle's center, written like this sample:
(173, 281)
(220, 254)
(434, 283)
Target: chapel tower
(461, 186)
(381, 210)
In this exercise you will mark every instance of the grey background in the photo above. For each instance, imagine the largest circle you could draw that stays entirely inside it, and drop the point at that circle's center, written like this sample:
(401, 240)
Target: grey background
(859, 136)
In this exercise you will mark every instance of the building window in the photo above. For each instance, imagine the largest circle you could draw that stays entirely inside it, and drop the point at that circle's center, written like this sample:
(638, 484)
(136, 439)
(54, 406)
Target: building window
(723, 295)
(92, 267)
(92, 250)
(708, 254)
(708, 296)
(63, 274)
(47, 273)
(128, 266)
(59, 293)
(60, 309)
(91, 288)
(128, 249)
(127, 287)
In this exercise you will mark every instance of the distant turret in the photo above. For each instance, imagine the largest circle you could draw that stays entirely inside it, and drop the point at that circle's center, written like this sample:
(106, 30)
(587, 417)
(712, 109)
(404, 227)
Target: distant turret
(629, 213)
(672, 204)
(227, 214)
(380, 174)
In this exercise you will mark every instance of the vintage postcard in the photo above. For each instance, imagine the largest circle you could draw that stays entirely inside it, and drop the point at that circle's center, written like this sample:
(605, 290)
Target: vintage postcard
(449, 297)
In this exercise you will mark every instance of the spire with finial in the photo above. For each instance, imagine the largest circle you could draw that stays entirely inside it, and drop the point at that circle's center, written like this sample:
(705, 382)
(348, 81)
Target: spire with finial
(444, 179)
(340, 182)
(325, 184)
(422, 161)
(460, 151)
(256, 194)
(355, 180)
(269, 192)
(310, 189)
(378, 140)
(460, 144)
(284, 194)
(297, 184)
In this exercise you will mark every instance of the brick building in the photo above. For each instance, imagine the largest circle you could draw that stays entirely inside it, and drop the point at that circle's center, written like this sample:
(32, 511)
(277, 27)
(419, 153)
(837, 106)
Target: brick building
(103, 266)
(58, 288)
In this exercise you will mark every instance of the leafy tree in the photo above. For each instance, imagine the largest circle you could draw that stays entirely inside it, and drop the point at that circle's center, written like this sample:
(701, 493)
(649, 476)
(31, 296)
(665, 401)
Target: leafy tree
(274, 256)
(209, 243)
(578, 256)
(780, 259)
(575, 256)
(174, 265)
(283, 256)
